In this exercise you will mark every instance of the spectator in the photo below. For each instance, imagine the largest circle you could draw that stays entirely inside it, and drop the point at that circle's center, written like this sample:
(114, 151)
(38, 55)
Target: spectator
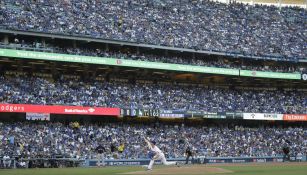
(41, 140)
(6, 161)
(101, 158)
(66, 91)
(197, 61)
(235, 28)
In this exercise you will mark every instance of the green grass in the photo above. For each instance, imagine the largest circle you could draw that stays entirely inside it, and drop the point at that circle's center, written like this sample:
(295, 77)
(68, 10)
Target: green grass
(269, 169)
(71, 171)
(237, 169)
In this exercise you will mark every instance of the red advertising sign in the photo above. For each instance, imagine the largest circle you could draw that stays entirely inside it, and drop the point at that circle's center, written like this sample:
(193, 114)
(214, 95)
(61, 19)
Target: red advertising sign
(59, 109)
(295, 117)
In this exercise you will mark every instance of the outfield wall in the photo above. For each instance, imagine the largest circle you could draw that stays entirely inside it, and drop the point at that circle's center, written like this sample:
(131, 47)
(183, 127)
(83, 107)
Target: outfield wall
(73, 162)
(201, 160)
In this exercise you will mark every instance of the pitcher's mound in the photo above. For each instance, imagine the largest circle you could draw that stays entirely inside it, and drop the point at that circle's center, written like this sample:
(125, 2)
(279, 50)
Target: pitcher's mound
(185, 170)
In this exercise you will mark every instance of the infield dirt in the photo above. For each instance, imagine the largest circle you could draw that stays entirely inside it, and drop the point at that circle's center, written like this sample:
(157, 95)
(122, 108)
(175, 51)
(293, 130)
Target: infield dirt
(185, 170)
(205, 169)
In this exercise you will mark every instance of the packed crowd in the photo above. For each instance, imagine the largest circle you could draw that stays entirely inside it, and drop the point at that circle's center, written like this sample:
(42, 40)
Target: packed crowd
(219, 62)
(64, 91)
(202, 25)
(47, 140)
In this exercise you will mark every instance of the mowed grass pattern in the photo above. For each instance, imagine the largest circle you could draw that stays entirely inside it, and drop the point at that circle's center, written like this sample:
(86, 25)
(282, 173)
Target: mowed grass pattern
(71, 171)
(269, 169)
(237, 169)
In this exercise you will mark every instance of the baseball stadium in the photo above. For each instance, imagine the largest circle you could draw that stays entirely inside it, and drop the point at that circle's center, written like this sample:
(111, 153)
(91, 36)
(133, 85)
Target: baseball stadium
(153, 87)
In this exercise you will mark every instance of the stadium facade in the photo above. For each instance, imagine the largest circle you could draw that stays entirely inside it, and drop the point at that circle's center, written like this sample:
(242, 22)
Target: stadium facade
(58, 82)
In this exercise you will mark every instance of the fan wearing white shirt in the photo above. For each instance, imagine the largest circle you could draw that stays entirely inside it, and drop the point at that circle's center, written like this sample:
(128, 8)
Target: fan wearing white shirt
(6, 161)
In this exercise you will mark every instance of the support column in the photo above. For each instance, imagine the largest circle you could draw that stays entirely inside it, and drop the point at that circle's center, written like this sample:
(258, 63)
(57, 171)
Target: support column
(107, 47)
(43, 42)
(74, 44)
(6, 39)
(138, 50)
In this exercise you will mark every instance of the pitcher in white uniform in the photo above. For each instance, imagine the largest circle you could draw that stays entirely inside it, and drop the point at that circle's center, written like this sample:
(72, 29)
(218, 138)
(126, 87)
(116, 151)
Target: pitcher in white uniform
(159, 155)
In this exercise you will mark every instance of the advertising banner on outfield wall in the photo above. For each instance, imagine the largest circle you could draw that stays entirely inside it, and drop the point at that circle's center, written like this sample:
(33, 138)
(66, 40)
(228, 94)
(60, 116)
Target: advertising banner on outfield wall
(199, 160)
(25, 108)
(262, 116)
(295, 117)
